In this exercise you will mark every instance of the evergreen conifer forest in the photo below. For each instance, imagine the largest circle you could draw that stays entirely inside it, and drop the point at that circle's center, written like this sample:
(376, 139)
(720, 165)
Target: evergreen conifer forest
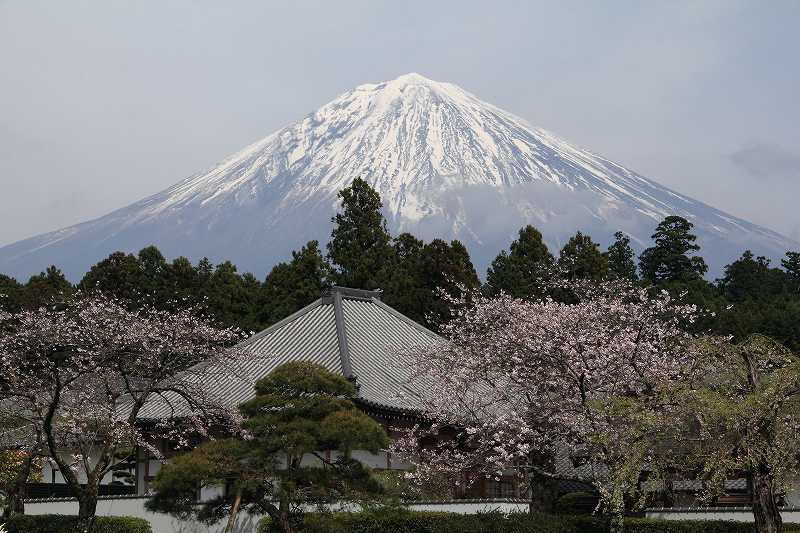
(419, 278)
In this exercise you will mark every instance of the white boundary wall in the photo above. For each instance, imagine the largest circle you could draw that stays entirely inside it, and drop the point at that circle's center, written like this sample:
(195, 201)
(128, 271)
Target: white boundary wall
(161, 523)
(736, 514)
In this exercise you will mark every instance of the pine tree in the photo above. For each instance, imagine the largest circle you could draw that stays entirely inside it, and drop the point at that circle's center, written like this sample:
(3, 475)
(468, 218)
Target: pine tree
(581, 258)
(621, 258)
(300, 416)
(669, 260)
(521, 271)
(360, 249)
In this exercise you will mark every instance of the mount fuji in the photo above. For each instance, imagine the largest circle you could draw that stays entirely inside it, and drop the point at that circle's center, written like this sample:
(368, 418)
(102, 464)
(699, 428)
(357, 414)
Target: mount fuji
(446, 165)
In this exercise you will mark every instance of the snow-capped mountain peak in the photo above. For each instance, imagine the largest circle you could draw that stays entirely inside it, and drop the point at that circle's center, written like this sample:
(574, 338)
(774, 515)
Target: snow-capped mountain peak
(446, 164)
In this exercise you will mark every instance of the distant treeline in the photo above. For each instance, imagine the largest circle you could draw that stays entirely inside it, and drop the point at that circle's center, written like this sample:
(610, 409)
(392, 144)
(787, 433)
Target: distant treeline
(420, 278)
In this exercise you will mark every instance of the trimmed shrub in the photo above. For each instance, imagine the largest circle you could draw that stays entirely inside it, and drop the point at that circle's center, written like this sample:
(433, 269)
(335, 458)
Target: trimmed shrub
(404, 521)
(56, 523)
(649, 525)
(576, 503)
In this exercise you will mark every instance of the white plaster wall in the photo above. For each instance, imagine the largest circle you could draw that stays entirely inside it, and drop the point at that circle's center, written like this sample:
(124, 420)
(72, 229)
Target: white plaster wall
(792, 515)
(162, 523)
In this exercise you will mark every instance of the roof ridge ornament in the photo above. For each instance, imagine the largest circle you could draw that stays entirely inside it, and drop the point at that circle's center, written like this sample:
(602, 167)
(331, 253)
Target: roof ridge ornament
(356, 294)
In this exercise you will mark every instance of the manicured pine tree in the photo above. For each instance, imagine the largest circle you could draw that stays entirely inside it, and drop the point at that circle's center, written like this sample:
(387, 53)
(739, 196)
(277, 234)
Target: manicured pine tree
(521, 270)
(671, 258)
(621, 258)
(360, 249)
(303, 426)
(581, 258)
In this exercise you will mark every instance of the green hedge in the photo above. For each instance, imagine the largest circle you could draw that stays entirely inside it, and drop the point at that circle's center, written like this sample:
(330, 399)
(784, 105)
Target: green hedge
(403, 521)
(56, 523)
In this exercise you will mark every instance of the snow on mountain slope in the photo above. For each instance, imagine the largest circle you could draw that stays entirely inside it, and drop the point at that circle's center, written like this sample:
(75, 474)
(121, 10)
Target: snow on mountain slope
(445, 163)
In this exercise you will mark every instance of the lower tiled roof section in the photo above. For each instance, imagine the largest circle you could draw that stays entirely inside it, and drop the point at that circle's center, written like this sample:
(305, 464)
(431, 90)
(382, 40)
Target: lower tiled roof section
(377, 336)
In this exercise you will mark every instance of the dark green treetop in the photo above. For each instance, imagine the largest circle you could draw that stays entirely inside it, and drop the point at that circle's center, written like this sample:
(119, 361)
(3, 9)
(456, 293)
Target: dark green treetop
(521, 270)
(292, 285)
(751, 277)
(119, 274)
(11, 296)
(444, 268)
(621, 258)
(791, 264)
(671, 258)
(581, 258)
(46, 287)
(404, 289)
(359, 249)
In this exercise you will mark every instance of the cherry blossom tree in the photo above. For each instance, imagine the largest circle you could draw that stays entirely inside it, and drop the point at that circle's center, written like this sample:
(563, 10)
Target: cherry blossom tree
(80, 372)
(742, 417)
(534, 387)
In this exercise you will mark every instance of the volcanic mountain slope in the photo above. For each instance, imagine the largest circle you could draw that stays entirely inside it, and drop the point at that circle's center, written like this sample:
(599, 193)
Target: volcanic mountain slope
(445, 163)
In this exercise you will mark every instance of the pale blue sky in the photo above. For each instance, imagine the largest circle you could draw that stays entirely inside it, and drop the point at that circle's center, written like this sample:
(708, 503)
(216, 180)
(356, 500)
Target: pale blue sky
(104, 102)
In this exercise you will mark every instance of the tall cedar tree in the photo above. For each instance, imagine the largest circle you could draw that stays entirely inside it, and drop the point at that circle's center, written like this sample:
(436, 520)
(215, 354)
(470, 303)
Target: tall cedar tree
(621, 258)
(669, 260)
(231, 297)
(405, 290)
(425, 276)
(521, 271)
(359, 248)
(581, 258)
(293, 285)
(445, 268)
(304, 426)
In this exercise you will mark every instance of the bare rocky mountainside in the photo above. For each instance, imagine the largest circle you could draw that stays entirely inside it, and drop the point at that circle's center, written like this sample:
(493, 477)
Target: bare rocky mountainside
(445, 163)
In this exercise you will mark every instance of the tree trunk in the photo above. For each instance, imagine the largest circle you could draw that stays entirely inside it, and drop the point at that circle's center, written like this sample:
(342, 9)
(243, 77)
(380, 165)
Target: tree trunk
(616, 510)
(283, 515)
(87, 508)
(15, 504)
(544, 492)
(765, 507)
(234, 511)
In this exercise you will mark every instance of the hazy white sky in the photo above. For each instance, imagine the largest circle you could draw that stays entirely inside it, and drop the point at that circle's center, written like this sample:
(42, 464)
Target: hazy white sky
(104, 102)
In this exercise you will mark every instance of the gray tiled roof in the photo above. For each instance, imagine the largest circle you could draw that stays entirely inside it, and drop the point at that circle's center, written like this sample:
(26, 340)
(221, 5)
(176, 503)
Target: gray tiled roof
(347, 331)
